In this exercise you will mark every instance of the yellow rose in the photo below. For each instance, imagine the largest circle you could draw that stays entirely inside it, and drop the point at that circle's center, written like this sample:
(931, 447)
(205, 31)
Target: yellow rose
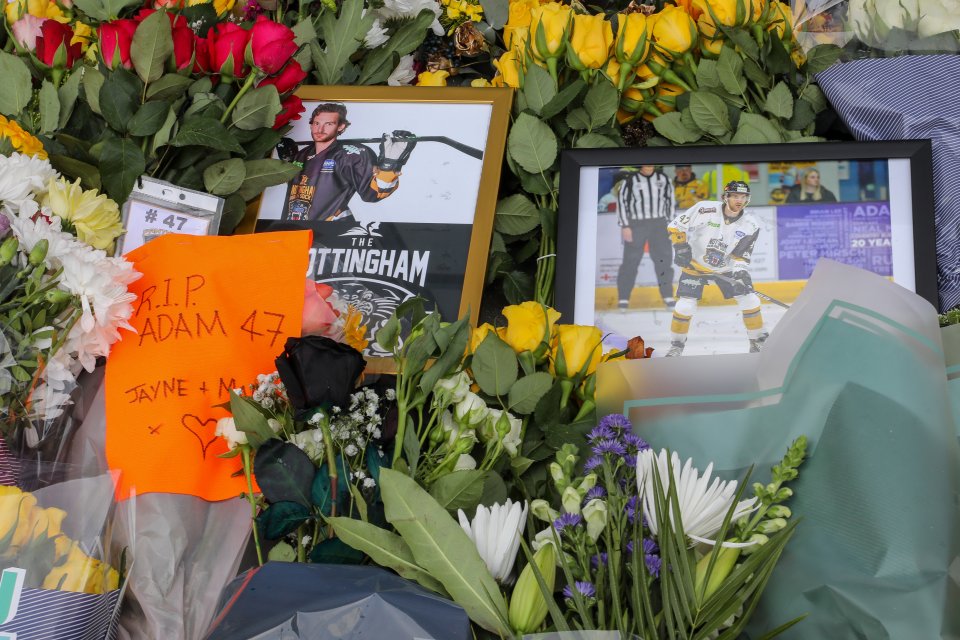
(82, 33)
(674, 33)
(633, 43)
(590, 43)
(632, 100)
(644, 72)
(478, 335)
(480, 83)
(711, 48)
(623, 116)
(94, 216)
(548, 26)
(222, 6)
(433, 78)
(576, 347)
(81, 573)
(518, 23)
(40, 8)
(729, 13)
(529, 324)
(757, 7)
(15, 509)
(509, 67)
(665, 99)
(781, 20)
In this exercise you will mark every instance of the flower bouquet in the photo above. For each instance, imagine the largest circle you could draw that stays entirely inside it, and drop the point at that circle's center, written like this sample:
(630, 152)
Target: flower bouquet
(62, 299)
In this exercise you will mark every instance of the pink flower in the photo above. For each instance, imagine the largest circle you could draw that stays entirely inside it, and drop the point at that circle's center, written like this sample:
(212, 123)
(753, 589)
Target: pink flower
(318, 314)
(26, 30)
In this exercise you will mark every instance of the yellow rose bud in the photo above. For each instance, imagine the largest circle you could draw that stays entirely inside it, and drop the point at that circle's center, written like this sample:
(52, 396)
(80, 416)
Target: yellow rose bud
(518, 23)
(632, 100)
(781, 20)
(623, 116)
(529, 325)
(574, 348)
(82, 574)
(665, 96)
(590, 43)
(674, 33)
(549, 24)
(528, 607)
(729, 13)
(757, 8)
(711, 48)
(509, 67)
(633, 42)
(433, 78)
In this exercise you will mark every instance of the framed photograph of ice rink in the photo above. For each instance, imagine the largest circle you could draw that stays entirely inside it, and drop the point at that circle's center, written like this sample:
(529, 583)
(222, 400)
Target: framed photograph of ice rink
(399, 187)
(701, 250)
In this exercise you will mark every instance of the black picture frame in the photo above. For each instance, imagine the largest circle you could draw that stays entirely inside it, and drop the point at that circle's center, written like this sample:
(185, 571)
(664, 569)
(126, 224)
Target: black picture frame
(577, 264)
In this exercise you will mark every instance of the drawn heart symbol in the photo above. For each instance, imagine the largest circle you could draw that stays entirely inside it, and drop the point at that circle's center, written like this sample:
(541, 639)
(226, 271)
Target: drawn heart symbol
(189, 419)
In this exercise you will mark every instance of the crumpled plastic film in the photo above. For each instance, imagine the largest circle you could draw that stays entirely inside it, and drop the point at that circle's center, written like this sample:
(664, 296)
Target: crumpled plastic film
(186, 551)
(857, 366)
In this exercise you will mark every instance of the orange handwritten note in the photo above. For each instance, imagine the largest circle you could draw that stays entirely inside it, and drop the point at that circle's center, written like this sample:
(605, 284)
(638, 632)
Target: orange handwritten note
(212, 312)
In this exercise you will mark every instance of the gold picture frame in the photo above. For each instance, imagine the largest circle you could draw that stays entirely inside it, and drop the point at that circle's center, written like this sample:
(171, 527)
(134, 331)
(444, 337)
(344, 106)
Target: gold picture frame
(443, 200)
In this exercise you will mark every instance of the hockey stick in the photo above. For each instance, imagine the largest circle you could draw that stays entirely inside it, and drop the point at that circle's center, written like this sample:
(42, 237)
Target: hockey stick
(764, 296)
(459, 146)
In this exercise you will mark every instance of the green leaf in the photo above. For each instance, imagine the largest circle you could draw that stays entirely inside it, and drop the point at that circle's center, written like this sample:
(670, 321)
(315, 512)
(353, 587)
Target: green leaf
(94, 9)
(496, 12)
(206, 132)
(764, 130)
(284, 472)
(779, 101)
(777, 60)
(71, 167)
(518, 286)
(163, 136)
(265, 173)
(494, 489)
(455, 337)
(234, 209)
(814, 95)
(601, 103)
(209, 105)
(281, 518)
(249, 420)
(516, 215)
(803, 115)
(532, 144)
(379, 63)
(710, 113)
(121, 163)
(225, 177)
(119, 98)
(169, 87)
(527, 392)
(730, 71)
(494, 366)
(755, 74)
(304, 34)
(384, 548)
(458, 490)
(707, 75)
(441, 547)
(343, 35)
(17, 86)
(282, 552)
(388, 334)
(92, 84)
(595, 141)
(67, 93)
(538, 88)
(149, 119)
(671, 126)
(563, 99)
(152, 45)
(578, 119)
(745, 41)
(49, 107)
(821, 58)
(256, 109)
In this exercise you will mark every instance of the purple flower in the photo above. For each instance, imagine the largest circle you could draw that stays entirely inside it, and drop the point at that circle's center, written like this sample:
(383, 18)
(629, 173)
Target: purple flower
(4, 225)
(653, 564)
(617, 422)
(600, 432)
(594, 493)
(609, 447)
(630, 508)
(650, 546)
(592, 463)
(585, 589)
(598, 559)
(567, 520)
(635, 443)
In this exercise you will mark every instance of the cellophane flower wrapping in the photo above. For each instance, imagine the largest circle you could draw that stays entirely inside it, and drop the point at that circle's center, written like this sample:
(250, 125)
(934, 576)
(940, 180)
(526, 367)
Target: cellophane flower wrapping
(56, 524)
(857, 366)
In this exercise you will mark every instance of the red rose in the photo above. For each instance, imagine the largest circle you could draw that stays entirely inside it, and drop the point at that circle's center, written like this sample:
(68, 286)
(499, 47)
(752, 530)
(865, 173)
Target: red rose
(114, 42)
(201, 63)
(183, 46)
(292, 108)
(271, 45)
(227, 42)
(288, 79)
(53, 45)
(175, 20)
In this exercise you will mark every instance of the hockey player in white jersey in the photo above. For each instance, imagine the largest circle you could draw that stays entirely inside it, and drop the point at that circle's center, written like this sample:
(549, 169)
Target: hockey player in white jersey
(712, 242)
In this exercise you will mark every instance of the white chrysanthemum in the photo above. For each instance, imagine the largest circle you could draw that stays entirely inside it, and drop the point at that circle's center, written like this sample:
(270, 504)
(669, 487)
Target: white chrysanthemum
(703, 505)
(401, 9)
(376, 36)
(402, 75)
(22, 177)
(227, 429)
(496, 532)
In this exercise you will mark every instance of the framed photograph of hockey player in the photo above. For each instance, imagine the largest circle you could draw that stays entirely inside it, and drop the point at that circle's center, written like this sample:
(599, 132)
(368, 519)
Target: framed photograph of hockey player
(701, 250)
(399, 187)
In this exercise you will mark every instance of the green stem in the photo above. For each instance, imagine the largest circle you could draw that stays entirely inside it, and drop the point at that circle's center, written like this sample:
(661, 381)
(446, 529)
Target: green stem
(331, 470)
(233, 103)
(245, 455)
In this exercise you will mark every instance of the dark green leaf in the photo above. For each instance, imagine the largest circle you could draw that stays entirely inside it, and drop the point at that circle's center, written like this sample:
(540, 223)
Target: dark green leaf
(94, 9)
(72, 168)
(265, 173)
(169, 87)
(710, 113)
(17, 87)
(496, 12)
(92, 84)
(671, 126)
(283, 472)
(707, 75)
(803, 115)
(152, 45)
(343, 35)
(563, 99)
(388, 334)
(224, 177)
(378, 65)
(459, 490)
(821, 58)
(779, 101)
(777, 60)
(281, 518)
(527, 392)
(538, 88)
(532, 144)
(494, 366)
(149, 119)
(207, 132)
(257, 109)
(119, 98)
(756, 129)
(595, 141)
(68, 93)
(730, 71)
(49, 102)
(250, 420)
(516, 215)
(518, 286)
(812, 94)
(121, 163)
(601, 103)
(745, 41)
(578, 119)
(755, 74)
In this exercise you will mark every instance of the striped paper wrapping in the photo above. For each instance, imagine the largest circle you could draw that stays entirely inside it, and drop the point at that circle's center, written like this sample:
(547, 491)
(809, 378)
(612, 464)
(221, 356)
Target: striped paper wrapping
(910, 97)
(64, 615)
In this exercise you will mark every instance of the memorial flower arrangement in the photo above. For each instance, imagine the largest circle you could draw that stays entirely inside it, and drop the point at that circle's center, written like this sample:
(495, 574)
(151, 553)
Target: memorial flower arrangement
(62, 298)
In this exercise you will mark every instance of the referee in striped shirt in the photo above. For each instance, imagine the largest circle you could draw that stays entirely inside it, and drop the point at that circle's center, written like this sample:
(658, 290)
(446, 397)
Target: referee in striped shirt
(645, 204)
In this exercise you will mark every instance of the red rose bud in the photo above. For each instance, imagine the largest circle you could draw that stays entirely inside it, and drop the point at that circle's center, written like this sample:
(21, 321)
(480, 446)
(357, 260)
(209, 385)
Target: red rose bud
(114, 42)
(53, 45)
(227, 43)
(183, 46)
(288, 79)
(271, 45)
(201, 61)
(175, 20)
(292, 108)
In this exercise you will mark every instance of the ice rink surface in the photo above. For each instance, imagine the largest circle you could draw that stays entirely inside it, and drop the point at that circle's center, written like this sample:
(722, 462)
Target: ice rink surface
(713, 329)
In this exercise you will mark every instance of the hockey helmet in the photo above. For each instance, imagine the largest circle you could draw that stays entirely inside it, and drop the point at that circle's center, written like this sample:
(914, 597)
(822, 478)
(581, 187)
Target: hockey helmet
(737, 186)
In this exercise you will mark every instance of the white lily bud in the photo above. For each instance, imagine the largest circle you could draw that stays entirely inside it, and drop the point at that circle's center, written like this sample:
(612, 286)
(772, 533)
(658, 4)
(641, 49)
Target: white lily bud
(595, 513)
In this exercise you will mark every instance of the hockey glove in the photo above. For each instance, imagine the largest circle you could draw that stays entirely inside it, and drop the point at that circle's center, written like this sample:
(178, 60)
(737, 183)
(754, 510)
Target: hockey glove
(682, 254)
(395, 149)
(287, 149)
(742, 283)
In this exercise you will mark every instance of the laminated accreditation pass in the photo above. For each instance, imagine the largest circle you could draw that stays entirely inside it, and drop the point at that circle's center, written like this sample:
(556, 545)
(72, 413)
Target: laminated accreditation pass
(156, 208)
